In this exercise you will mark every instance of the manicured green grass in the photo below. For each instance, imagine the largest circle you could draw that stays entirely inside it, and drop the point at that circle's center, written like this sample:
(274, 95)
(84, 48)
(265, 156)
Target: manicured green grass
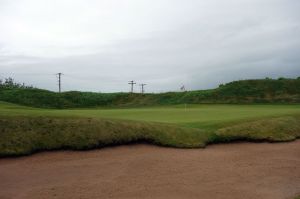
(24, 130)
(198, 116)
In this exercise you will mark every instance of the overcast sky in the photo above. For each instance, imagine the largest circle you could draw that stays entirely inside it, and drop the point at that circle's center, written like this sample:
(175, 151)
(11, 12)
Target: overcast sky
(100, 45)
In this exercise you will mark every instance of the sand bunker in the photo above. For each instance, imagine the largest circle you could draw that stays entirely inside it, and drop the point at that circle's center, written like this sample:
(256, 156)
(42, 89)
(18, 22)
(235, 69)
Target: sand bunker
(240, 170)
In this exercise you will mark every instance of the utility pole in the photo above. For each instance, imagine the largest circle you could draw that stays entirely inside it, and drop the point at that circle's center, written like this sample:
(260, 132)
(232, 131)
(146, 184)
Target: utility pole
(59, 81)
(132, 83)
(142, 85)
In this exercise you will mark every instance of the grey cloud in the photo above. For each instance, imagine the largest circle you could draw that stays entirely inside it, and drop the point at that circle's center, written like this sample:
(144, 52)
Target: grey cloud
(211, 44)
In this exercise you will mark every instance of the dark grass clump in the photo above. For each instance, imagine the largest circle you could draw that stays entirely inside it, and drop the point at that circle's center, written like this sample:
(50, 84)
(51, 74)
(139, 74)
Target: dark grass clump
(297, 197)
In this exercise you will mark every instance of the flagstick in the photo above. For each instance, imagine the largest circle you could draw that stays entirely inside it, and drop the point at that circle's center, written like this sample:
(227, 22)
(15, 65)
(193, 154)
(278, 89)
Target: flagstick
(182, 88)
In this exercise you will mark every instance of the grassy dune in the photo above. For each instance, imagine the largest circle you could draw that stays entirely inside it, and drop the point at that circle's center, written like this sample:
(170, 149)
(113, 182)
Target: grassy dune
(245, 91)
(24, 130)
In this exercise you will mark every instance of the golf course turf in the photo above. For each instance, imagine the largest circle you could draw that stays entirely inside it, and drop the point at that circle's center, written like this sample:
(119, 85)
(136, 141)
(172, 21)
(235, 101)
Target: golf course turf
(24, 130)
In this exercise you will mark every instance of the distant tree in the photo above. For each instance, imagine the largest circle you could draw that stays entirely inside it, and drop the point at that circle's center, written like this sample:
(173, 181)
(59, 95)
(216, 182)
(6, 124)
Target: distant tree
(10, 83)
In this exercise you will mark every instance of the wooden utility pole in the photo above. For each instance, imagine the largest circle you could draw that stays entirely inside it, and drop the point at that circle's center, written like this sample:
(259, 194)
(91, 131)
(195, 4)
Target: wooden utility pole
(132, 83)
(142, 86)
(59, 81)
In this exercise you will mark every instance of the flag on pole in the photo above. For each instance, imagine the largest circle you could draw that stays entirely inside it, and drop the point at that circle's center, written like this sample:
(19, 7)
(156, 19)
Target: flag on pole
(182, 88)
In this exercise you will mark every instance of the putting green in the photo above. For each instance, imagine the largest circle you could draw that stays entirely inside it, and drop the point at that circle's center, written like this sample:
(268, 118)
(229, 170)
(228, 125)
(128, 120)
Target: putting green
(202, 116)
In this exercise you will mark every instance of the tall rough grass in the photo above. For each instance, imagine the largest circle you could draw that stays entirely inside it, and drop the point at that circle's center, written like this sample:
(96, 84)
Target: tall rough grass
(26, 135)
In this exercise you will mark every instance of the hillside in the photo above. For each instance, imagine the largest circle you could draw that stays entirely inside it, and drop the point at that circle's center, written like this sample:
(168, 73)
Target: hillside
(244, 91)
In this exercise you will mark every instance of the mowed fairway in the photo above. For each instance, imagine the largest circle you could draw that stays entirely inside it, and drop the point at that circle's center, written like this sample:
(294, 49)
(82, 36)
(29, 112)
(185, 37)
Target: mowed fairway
(199, 116)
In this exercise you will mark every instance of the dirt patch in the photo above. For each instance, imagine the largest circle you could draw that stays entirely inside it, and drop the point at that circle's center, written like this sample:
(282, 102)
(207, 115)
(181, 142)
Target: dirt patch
(239, 170)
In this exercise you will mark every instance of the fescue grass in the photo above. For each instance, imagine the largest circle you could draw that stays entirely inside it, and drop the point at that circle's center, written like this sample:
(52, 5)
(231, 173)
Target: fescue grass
(25, 130)
(25, 135)
(273, 130)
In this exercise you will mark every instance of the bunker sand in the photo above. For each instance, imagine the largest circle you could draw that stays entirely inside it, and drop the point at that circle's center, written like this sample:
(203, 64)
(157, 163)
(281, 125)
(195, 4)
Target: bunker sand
(239, 170)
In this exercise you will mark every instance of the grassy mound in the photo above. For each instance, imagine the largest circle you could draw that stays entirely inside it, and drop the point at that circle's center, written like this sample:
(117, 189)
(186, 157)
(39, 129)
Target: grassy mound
(273, 130)
(245, 91)
(26, 135)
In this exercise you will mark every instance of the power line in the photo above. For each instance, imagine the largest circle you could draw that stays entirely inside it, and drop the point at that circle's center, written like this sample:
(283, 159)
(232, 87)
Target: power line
(132, 83)
(24, 74)
(142, 87)
(77, 77)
